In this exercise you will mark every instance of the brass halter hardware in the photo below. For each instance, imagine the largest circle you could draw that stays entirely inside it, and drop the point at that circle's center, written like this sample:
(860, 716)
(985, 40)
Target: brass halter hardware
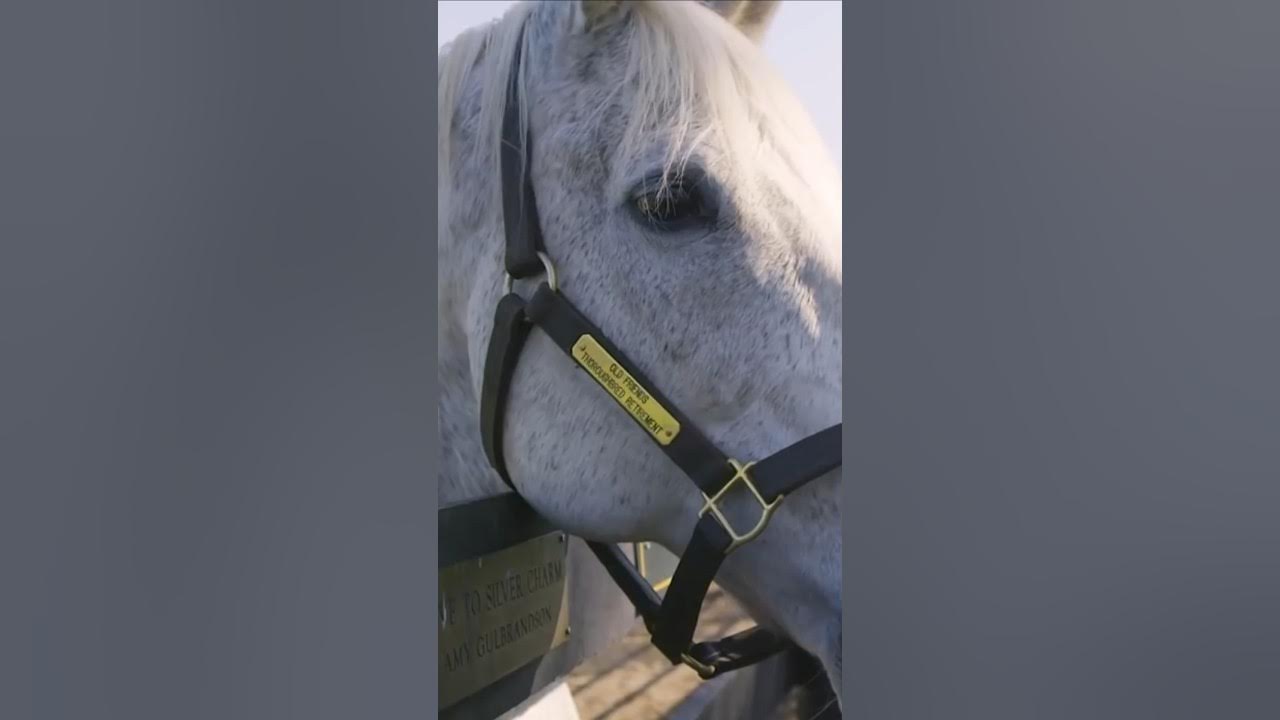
(766, 508)
(706, 672)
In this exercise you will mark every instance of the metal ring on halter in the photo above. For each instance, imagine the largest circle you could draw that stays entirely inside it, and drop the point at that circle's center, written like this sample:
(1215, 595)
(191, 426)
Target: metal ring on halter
(547, 268)
(766, 508)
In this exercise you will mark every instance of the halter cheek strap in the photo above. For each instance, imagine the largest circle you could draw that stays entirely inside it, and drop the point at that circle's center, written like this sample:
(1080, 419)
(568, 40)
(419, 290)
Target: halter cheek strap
(671, 619)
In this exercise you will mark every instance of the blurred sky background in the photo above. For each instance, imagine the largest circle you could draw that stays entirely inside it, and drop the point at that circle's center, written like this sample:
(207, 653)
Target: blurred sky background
(803, 42)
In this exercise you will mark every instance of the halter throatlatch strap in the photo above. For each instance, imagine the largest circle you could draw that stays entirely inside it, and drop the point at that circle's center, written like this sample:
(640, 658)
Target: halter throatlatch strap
(671, 619)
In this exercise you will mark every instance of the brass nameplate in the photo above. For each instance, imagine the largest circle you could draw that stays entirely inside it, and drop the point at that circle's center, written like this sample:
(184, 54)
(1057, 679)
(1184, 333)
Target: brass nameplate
(630, 395)
(500, 611)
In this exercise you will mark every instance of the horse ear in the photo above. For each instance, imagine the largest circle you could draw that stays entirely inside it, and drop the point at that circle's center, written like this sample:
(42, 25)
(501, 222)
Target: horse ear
(752, 17)
(591, 14)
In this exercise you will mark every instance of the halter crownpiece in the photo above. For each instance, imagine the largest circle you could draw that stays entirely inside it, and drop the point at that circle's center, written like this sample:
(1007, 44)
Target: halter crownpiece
(671, 620)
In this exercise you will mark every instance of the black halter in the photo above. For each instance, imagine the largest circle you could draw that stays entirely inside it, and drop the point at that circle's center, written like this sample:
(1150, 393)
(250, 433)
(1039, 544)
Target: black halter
(671, 620)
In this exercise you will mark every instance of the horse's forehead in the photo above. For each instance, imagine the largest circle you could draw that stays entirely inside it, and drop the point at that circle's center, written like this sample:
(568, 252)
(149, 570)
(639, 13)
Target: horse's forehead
(586, 85)
(595, 58)
(595, 109)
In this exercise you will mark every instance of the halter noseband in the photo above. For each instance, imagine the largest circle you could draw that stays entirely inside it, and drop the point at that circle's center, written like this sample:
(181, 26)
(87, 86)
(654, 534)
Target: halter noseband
(671, 620)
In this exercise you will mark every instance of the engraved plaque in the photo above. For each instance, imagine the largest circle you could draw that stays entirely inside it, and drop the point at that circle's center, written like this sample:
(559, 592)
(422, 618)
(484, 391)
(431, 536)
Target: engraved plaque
(499, 612)
(629, 393)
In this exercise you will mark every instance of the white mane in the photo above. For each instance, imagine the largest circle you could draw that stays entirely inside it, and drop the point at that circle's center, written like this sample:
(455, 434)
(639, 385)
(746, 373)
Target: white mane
(690, 73)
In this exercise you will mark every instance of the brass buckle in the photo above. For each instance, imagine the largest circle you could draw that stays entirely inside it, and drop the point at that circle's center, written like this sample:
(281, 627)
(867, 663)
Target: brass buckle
(706, 672)
(766, 509)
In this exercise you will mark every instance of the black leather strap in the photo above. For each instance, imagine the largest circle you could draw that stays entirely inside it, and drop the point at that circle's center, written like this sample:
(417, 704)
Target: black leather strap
(783, 472)
(519, 207)
(629, 580)
(510, 330)
(671, 621)
(678, 618)
(799, 463)
(739, 650)
(701, 460)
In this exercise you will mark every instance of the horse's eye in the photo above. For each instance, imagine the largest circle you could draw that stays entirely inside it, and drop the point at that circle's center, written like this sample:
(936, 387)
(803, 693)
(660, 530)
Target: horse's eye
(674, 207)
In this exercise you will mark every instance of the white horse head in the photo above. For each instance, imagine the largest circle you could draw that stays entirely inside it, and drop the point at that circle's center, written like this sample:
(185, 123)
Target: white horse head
(691, 212)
